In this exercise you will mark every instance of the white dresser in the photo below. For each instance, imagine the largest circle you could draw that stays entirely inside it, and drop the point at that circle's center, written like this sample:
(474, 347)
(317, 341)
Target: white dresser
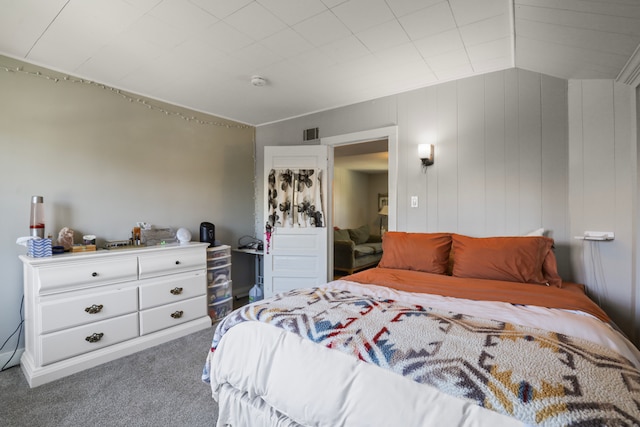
(85, 309)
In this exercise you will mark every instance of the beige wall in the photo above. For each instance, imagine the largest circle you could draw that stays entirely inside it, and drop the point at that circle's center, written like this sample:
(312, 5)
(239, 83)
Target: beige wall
(355, 198)
(102, 163)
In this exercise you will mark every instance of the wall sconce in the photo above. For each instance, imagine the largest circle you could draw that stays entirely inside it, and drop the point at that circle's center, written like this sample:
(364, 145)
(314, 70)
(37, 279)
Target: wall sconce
(425, 152)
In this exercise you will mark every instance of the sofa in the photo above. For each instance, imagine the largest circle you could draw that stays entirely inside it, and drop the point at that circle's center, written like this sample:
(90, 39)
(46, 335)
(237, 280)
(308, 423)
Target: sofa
(355, 249)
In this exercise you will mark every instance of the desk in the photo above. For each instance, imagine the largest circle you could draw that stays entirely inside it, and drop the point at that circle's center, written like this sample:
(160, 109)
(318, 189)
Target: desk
(258, 260)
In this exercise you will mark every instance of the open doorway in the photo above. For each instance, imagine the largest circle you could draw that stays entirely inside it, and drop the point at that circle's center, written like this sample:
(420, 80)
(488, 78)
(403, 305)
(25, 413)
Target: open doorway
(360, 203)
(390, 136)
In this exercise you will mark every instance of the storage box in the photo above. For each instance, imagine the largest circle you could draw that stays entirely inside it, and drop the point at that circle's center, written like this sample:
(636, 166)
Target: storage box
(218, 262)
(220, 309)
(220, 292)
(39, 248)
(218, 252)
(218, 275)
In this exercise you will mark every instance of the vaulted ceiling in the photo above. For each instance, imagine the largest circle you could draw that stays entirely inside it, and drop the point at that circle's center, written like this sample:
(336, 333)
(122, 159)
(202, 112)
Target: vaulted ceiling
(314, 54)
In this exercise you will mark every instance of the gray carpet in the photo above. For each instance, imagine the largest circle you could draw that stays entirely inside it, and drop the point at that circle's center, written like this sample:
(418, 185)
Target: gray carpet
(159, 386)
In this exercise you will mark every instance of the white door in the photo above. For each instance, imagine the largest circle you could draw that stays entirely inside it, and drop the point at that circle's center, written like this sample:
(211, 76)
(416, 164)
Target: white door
(296, 254)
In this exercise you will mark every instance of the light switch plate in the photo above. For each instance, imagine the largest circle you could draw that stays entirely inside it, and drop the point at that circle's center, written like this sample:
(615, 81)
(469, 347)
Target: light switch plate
(414, 201)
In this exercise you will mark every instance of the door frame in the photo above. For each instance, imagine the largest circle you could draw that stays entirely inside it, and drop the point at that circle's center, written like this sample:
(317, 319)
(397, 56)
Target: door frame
(391, 134)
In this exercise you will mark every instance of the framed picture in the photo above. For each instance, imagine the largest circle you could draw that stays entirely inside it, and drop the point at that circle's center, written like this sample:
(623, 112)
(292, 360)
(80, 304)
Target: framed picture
(383, 200)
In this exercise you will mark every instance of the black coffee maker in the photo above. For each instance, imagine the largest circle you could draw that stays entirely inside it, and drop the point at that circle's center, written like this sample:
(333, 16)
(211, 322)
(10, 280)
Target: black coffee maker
(208, 233)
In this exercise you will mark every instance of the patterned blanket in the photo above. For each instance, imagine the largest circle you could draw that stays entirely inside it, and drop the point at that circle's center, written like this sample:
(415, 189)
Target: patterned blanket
(536, 376)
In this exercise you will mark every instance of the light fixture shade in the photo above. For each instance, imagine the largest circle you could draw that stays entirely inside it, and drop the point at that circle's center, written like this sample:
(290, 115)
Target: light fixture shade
(425, 152)
(384, 210)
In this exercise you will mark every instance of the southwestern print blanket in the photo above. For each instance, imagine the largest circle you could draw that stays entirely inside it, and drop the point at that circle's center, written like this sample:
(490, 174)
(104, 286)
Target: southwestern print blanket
(537, 376)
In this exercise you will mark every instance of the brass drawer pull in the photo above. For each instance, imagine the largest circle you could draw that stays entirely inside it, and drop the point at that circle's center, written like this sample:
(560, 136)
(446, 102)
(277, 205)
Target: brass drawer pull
(177, 314)
(95, 308)
(95, 337)
(176, 291)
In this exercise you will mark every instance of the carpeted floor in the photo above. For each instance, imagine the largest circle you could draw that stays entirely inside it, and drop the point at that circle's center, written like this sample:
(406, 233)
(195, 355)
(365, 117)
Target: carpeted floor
(159, 386)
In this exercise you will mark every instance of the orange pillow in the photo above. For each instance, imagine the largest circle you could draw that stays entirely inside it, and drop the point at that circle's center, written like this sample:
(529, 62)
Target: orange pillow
(428, 252)
(550, 270)
(512, 259)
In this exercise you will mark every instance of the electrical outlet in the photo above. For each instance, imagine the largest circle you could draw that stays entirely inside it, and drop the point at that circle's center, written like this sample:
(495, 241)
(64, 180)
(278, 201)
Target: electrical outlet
(414, 201)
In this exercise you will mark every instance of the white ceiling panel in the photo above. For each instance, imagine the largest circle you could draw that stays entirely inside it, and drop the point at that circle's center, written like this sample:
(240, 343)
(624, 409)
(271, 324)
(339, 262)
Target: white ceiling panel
(314, 54)
(182, 14)
(429, 21)
(384, 36)
(585, 38)
(221, 8)
(224, 37)
(405, 7)
(345, 50)
(255, 21)
(255, 57)
(22, 23)
(450, 64)
(495, 49)
(293, 12)
(486, 30)
(154, 31)
(322, 29)
(360, 15)
(469, 11)
(580, 63)
(286, 43)
(446, 41)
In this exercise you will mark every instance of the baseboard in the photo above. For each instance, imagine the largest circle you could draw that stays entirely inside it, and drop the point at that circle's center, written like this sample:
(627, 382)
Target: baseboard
(14, 361)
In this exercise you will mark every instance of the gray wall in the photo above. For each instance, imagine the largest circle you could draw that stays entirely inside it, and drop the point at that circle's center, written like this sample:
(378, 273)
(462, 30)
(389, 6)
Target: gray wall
(602, 188)
(503, 165)
(102, 163)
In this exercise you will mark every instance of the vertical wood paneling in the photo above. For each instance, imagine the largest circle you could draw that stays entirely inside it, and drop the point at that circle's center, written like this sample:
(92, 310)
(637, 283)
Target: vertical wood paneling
(512, 153)
(447, 157)
(495, 178)
(554, 156)
(471, 156)
(635, 262)
(601, 193)
(431, 129)
(599, 153)
(530, 144)
(403, 192)
(619, 256)
(576, 178)
(417, 118)
(555, 152)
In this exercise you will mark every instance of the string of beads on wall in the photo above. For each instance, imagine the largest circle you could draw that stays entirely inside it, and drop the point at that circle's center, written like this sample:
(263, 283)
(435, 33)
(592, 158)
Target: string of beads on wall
(124, 95)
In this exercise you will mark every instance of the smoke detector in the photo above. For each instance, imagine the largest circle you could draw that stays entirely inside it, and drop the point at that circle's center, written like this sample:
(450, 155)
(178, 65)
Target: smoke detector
(258, 81)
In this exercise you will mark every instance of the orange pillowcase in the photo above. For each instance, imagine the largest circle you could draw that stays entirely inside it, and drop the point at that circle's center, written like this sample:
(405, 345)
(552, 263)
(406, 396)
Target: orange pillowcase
(428, 252)
(526, 259)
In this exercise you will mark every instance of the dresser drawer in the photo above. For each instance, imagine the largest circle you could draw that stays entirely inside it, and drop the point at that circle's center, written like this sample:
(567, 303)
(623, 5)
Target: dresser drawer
(64, 313)
(86, 273)
(155, 319)
(72, 342)
(178, 287)
(161, 264)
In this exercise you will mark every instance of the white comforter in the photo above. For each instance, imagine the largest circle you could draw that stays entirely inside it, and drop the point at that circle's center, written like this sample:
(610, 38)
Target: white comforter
(283, 379)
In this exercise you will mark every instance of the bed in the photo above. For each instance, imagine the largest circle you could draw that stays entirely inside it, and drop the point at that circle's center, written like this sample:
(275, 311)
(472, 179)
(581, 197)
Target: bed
(448, 330)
